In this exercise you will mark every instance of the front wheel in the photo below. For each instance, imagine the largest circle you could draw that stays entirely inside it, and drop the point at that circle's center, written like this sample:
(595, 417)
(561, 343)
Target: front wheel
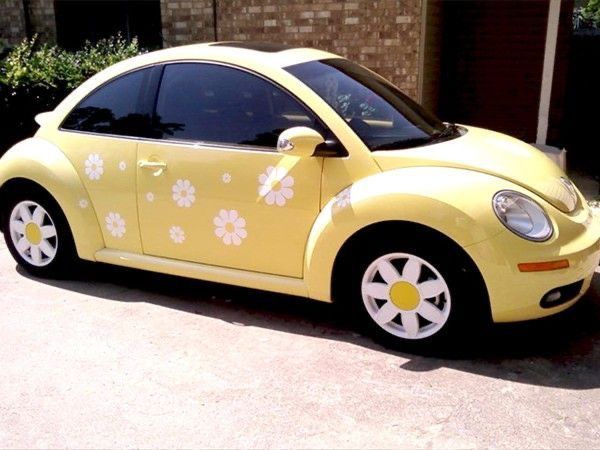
(37, 234)
(406, 296)
(419, 296)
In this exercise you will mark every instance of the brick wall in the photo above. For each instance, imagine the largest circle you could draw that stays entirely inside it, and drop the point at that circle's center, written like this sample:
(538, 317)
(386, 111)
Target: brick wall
(41, 17)
(382, 35)
(186, 21)
(43, 22)
(12, 22)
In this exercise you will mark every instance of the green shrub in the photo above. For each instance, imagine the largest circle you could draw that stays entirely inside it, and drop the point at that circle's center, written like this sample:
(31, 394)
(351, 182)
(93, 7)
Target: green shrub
(591, 12)
(35, 77)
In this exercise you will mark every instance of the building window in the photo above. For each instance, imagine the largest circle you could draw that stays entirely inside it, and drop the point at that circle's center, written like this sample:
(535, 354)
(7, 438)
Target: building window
(78, 21)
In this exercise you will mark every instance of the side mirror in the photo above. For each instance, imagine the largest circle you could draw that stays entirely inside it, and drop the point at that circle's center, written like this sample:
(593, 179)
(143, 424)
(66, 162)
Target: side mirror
(299, 141)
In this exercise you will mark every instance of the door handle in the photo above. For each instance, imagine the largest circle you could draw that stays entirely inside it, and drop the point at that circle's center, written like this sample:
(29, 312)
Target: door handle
(157, 166)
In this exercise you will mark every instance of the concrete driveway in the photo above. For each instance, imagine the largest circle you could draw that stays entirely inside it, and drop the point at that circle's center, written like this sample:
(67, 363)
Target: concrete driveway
(132, 359)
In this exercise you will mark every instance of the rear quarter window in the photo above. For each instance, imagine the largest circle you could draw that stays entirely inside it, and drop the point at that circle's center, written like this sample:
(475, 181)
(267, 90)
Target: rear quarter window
(119, 107)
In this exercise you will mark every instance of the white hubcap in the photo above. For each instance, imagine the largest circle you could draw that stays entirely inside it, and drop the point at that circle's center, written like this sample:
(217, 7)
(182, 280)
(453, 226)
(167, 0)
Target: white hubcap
(406, 296)
(33, 233)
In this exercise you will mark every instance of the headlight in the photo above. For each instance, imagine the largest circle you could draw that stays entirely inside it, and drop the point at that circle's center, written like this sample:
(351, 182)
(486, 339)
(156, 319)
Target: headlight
(571, 203)
(521, 215)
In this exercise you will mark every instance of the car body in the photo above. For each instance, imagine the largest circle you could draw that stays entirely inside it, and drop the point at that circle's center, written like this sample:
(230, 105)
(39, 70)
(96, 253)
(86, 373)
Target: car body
(296, 171)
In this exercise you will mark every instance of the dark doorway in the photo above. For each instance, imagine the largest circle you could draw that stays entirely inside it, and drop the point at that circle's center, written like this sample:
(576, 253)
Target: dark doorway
(78, 21)
(583, 94)
(492, 61)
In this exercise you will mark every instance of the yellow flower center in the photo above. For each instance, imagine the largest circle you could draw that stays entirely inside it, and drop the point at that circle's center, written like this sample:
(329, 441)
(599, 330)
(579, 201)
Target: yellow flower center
(229, 227)
(183, 193)
(275, 185)
(405, 295)
(33, 233)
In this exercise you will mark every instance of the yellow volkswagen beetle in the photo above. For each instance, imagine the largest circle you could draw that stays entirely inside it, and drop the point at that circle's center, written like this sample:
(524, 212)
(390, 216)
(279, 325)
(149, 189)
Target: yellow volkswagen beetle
(298, 171)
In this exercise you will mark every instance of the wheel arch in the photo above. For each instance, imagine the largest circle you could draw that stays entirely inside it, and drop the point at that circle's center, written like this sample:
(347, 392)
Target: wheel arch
(371, 233)
(451, 203)
(36, 162)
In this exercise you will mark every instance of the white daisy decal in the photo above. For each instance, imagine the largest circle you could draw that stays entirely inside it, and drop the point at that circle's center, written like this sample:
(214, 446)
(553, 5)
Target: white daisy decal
(115, 224)
(94, 166)
(276, 186)
(226, 178)
(183, 193)
(230, 227)
(122, 166)
(177, 234)
(343, 198)
(149, 197)
(83, 203)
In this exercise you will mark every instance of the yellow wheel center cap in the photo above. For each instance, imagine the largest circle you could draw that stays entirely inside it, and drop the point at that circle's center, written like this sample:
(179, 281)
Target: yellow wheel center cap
(405, 295)
(33, 233)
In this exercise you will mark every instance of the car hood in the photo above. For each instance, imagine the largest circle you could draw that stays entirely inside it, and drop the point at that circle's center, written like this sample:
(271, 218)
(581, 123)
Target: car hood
(492, 153)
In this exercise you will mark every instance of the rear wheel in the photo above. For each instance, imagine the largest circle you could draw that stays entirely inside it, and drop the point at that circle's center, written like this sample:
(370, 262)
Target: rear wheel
(37, 234)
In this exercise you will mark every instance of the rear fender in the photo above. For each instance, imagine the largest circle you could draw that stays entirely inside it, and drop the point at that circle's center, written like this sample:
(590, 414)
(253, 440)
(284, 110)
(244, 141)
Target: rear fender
(39, 161)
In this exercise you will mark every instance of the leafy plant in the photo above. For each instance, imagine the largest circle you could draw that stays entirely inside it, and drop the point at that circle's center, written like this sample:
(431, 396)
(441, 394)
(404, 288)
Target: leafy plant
(35, 77)
(591, 12)
(31, 64)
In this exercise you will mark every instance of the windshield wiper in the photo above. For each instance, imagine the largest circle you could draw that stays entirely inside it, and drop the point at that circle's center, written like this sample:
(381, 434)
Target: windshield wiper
(450, 130)
(401, 144)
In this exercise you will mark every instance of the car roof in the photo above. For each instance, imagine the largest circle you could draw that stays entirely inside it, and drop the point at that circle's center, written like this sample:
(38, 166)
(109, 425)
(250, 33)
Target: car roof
(269, 47)
(265, 53)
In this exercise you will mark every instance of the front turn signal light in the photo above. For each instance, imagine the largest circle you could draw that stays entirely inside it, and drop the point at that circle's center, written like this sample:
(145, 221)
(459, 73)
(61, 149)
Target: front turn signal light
(543, 266)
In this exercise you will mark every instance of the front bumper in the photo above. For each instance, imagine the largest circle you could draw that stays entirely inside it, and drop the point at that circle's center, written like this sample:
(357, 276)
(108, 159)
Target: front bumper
(516, 296)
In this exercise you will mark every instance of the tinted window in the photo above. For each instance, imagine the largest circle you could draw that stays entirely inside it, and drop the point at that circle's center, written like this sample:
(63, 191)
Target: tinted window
(381, 115)
(212, 103)
(119, 107)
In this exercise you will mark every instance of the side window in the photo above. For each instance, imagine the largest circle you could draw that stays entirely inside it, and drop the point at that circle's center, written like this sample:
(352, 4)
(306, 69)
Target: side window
(121, 107)
(212, 103)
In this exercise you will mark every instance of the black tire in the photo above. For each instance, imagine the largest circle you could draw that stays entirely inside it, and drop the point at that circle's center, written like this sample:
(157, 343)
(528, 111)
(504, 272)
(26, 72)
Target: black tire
(467, 315)
(59, 265)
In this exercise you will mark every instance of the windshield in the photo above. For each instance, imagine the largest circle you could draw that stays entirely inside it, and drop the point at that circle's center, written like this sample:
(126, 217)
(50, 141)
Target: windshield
(382, 116)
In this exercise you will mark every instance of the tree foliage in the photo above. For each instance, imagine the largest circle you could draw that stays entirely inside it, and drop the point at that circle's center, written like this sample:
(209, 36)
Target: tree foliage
(35, 77)
(591, 12)
(31, 64)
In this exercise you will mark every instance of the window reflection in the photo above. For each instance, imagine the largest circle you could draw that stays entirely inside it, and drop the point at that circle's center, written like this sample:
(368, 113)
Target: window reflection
(213, 103)
(103, 121)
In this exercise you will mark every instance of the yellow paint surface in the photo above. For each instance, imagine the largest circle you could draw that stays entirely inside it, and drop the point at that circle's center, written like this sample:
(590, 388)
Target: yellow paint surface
(129, 215)
(33, 233)
(405, 295)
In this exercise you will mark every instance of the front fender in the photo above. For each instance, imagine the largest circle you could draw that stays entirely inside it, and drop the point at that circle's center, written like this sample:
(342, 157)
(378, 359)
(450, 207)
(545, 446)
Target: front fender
(454, 202)
(44, 163)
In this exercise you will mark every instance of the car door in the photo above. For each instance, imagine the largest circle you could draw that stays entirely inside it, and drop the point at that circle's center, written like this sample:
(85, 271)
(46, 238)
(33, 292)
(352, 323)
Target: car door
(212, 188)
(100, 136)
